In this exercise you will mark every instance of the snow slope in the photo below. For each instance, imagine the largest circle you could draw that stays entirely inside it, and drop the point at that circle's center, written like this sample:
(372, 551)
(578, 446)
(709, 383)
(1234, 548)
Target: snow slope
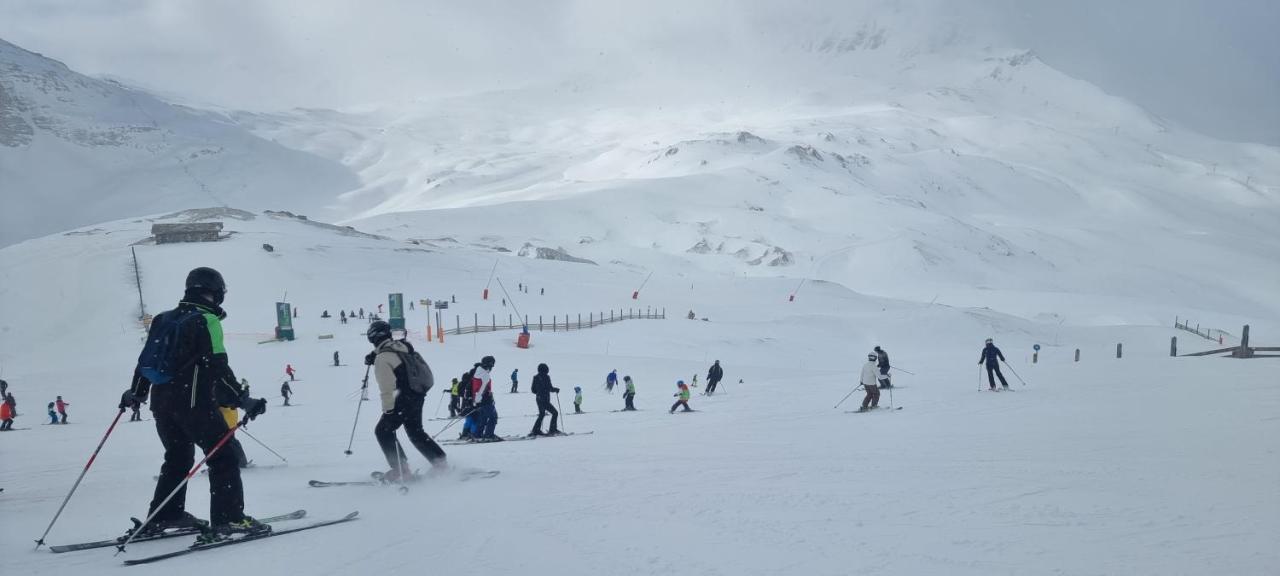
(1124, 459)
(76, 150)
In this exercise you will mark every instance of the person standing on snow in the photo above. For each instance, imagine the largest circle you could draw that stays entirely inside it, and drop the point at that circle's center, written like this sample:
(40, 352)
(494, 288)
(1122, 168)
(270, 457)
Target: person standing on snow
(6, 416)
(882, 364)
(714, 374)
(53, 414)
(401, 405)
(577, 400)
(455, 395)
(288, 369)
(869, 377)
(336, 362)
(185, 361)
(611, 380)
(515, 380)
(468, 404)
(12, 402)
(62, 409)
(682, 398)
(629, 395)
(992, 357)
(542, 389)
(286, 391)
(486, 410)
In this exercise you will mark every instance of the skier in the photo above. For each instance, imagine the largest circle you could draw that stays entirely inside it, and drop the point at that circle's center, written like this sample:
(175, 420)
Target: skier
(682, 398)
(882, 363)
(992, 356)
(714, 374)
(62, 408)
(6, 416)
(336, 362)
(286, 391)
(455, 396)
(342, 316)
(53, 414)
(379, 309)
(515, 380)
(288, 369)
(4, 389)
(542, 291)
(401, 405)
(629, 395)
(869, 372)
(486, 411)
(542, 389)
(186, 356)
(13, 403)
(362, 313)
(611, 380)
(411, 304)
(467, 401)
(577, 400)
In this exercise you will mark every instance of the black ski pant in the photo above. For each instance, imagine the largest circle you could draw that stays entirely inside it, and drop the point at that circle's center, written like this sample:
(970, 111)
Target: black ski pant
(237, 448)
(993, 370)
(629, 397)
(408, 413)
(711, 386)
(180, 433)
(545, 407)
(454, 407)
(514, 384)
(872, 399)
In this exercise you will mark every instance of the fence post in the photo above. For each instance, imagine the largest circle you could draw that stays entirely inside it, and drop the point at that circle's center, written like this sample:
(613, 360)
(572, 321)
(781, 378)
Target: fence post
(509, 324)
(1035, 357)
(1173, 347)
(579, 320)
(539, 322)
(457, 323)
(1244, 351)
(591, 319)
(1119, 350)
(526, 322)
(1077, 354)
(475, 320)
(611, 315)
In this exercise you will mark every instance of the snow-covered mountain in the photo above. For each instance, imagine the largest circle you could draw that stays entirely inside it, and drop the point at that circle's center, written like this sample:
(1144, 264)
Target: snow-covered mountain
(76, 150)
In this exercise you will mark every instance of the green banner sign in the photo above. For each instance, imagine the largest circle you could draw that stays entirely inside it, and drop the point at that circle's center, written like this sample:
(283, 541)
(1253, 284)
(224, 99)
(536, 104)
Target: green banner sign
(395, 311)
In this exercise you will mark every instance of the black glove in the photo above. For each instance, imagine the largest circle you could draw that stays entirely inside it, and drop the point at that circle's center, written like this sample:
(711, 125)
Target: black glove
(556, 390)
(128, 399)
(253, 407)
(369, 358)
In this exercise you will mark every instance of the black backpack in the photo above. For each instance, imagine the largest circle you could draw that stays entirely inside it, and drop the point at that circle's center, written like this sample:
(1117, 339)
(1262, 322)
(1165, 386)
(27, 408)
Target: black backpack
(417, 374)
(159, 361)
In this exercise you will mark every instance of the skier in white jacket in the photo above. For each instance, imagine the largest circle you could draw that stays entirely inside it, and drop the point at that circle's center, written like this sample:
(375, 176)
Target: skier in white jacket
(868, 380)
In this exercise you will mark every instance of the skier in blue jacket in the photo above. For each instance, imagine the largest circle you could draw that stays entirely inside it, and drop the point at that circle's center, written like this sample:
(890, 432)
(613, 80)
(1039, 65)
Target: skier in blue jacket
(992, 357)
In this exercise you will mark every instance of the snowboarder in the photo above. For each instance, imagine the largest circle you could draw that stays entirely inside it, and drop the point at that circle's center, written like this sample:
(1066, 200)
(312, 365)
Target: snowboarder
(6, 416)
(882, 363)
(629, 395)
(286, 391)
(992, 357)
(542, 389)
(186, 357)
(325, 314)
(714, 374)
(455, 397)
(682, 398)
(62, 409)
(577, 400)
(486, 412)
(53, 414)
(868, 380)
(401, 404)
(515, 380)
(611, 380)
(336, 362)
(288, 369)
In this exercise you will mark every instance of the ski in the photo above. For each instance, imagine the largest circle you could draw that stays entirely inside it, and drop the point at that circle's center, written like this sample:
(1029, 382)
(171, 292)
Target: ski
(895, 409)
(460, 475)
(249, 538)
(511, 439)
(615, 411)
(295, 515)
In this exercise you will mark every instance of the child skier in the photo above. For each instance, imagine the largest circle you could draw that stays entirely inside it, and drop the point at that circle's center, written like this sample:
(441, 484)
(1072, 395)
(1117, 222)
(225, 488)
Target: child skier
(682, 398)
(869, 373)
(455, 397)
(515, 380)
(53, 415)
(577, 400)
(629, 395)
(285, 391)
(6, 416)
(288, 369)
(610, 381)
(62, 409)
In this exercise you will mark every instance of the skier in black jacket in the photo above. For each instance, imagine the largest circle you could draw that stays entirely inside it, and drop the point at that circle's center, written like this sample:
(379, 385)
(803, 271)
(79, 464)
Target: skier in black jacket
(542, 388)
(992, 357)
(882, 363)
(185, 406)
(714, 375)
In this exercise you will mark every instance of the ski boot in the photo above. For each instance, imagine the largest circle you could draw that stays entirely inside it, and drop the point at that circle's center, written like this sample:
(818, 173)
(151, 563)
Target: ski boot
(246, 526)
(536, 433)
(554, 432)
(157, 527)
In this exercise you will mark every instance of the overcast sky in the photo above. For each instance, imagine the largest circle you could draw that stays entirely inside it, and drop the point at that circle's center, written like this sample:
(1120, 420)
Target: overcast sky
(1212, 65)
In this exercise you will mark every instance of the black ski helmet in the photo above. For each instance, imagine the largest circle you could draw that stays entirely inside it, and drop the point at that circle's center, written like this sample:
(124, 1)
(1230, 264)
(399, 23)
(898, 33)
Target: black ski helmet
(379, 330)
(487, 362)
(208, 282)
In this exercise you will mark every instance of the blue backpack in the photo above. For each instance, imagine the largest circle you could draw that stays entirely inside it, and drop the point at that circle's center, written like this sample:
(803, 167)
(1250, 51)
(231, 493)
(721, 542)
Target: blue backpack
(159, 361)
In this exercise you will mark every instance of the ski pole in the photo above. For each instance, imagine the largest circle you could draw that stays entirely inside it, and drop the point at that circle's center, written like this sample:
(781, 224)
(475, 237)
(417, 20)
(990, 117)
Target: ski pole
(891, 397)
(363, 387)
(846, 396)
(1015, 373)
(562, 414)
(901, 370)
(451, 422)
(979, 377)
(75, 486)
(260, 443)
(216, 447)
(440, 403)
